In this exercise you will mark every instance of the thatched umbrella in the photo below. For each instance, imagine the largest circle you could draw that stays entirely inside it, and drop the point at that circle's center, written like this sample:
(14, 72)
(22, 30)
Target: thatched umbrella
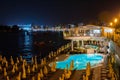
(53, 67)
(111, 71)
(17, 60)
(12, 61)
(28, 69)
(60, 78)
(21, 59)
(45, 70)
(72, 65)
(41, 73)
(55, 64)
(5, 73)
(6, 65)
(35, 59)
(13, 69)
(4, 59)
(84, 78)
(33, 68)
(38, 76)
(33, 77)
(49, 56)
(42, 62)
(113, 59)
(25, 62)
(52, 54)
(24, 73)
(32, 60)
(63, 76)
(113, 76)
(36, 66)
(7, 78)
(1, 58)
(16, 67)
(88, 69)
(19, 76)
(67, 73)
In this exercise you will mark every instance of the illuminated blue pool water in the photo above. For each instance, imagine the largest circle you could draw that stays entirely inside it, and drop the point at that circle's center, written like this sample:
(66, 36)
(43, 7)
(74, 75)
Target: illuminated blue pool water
(80, 61)
(92, 46)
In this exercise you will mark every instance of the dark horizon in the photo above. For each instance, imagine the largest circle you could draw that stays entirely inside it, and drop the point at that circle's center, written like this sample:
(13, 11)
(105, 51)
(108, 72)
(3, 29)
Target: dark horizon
(54, 12)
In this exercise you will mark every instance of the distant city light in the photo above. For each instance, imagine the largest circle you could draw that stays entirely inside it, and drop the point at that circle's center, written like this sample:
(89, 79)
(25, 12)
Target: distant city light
(25, 26)
(115, 20)
(111, 23)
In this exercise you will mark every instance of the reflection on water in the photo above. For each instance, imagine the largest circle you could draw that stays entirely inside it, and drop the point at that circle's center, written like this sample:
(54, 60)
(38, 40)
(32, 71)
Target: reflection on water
(30, 44)
(25, 45)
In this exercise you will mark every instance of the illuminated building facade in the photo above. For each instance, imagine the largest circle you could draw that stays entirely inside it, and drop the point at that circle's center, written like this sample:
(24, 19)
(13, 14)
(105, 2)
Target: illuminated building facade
(89, 33)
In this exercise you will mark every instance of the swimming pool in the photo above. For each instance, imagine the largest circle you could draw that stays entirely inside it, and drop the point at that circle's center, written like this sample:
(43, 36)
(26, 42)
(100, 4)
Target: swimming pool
(91, 46)
(80, 61)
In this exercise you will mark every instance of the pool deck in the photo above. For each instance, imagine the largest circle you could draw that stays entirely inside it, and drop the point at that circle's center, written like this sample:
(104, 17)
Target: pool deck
(78, 74)
(62, 57)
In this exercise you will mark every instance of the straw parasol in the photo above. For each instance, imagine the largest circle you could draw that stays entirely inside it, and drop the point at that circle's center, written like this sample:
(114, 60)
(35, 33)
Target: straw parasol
(72, 65)
(42, 63)
(88, 69)
(63, 76)
(7, 78)
(6, 65)
(41, 73)
(38, 76)
(84, 78)
(5, 73)
(113, 76)
(33, 68)
(24, 73)
(67, 73)
(12, 61)
(19, 76)
(45, 70)
(13, 69)
(33, 77)
(1, 58)
(21, 59)
(16, 67)
(17, 60)
(28, 69)
(60, 78)
(112, 59)
(53, 68)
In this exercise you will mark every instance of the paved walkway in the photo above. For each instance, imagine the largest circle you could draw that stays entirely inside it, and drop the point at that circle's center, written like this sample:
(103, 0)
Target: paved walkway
(56, 75)
(76, 75)
(62, 57)
(97, 73)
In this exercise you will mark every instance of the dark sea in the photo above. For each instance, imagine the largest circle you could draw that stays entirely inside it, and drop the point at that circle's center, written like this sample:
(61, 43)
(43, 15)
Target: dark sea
(30, 44)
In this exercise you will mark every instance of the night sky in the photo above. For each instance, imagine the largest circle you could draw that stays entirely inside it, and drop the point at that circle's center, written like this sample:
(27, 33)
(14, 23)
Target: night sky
(51, 12)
